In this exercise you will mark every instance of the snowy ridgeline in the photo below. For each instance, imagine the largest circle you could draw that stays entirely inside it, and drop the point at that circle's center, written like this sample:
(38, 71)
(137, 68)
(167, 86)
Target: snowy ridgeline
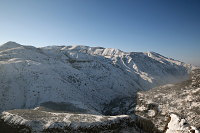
(87, 77)
(39, 121)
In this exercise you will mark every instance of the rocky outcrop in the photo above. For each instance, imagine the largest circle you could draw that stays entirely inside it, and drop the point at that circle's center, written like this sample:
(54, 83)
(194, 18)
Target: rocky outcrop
(42, 121)
(179, 125)
(182, 99)
(64, 117)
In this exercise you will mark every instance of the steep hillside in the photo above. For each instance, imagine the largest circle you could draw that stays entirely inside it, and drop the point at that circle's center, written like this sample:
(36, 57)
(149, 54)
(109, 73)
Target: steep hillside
(182, 99)
(87, 77)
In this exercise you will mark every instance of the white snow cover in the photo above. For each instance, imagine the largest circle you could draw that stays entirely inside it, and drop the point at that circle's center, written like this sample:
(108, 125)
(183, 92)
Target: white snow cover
(41, 120)
(90, 76)
(179, 125)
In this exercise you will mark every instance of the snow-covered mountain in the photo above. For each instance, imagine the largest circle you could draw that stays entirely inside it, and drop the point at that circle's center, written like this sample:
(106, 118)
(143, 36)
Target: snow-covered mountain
(87, 77)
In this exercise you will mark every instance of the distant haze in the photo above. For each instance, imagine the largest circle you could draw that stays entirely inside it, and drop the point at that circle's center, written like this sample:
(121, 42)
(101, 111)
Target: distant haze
(168, 27)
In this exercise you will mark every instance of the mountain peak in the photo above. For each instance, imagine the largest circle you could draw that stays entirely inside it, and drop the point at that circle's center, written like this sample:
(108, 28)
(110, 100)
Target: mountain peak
(9, 45)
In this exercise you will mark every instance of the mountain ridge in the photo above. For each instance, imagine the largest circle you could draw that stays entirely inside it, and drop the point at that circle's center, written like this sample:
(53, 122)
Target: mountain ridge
(89, 76)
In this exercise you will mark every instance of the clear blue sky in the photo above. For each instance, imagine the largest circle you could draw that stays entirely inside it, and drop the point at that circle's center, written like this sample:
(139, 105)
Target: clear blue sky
(169, 27)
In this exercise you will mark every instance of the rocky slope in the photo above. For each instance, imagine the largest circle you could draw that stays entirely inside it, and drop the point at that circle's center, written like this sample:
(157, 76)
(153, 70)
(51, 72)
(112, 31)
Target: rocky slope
(182, 99)
(65, 118)
(42, 121)
(170, 108)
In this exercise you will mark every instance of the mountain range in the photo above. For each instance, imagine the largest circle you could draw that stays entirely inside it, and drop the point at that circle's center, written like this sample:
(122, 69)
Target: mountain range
(81, 79)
